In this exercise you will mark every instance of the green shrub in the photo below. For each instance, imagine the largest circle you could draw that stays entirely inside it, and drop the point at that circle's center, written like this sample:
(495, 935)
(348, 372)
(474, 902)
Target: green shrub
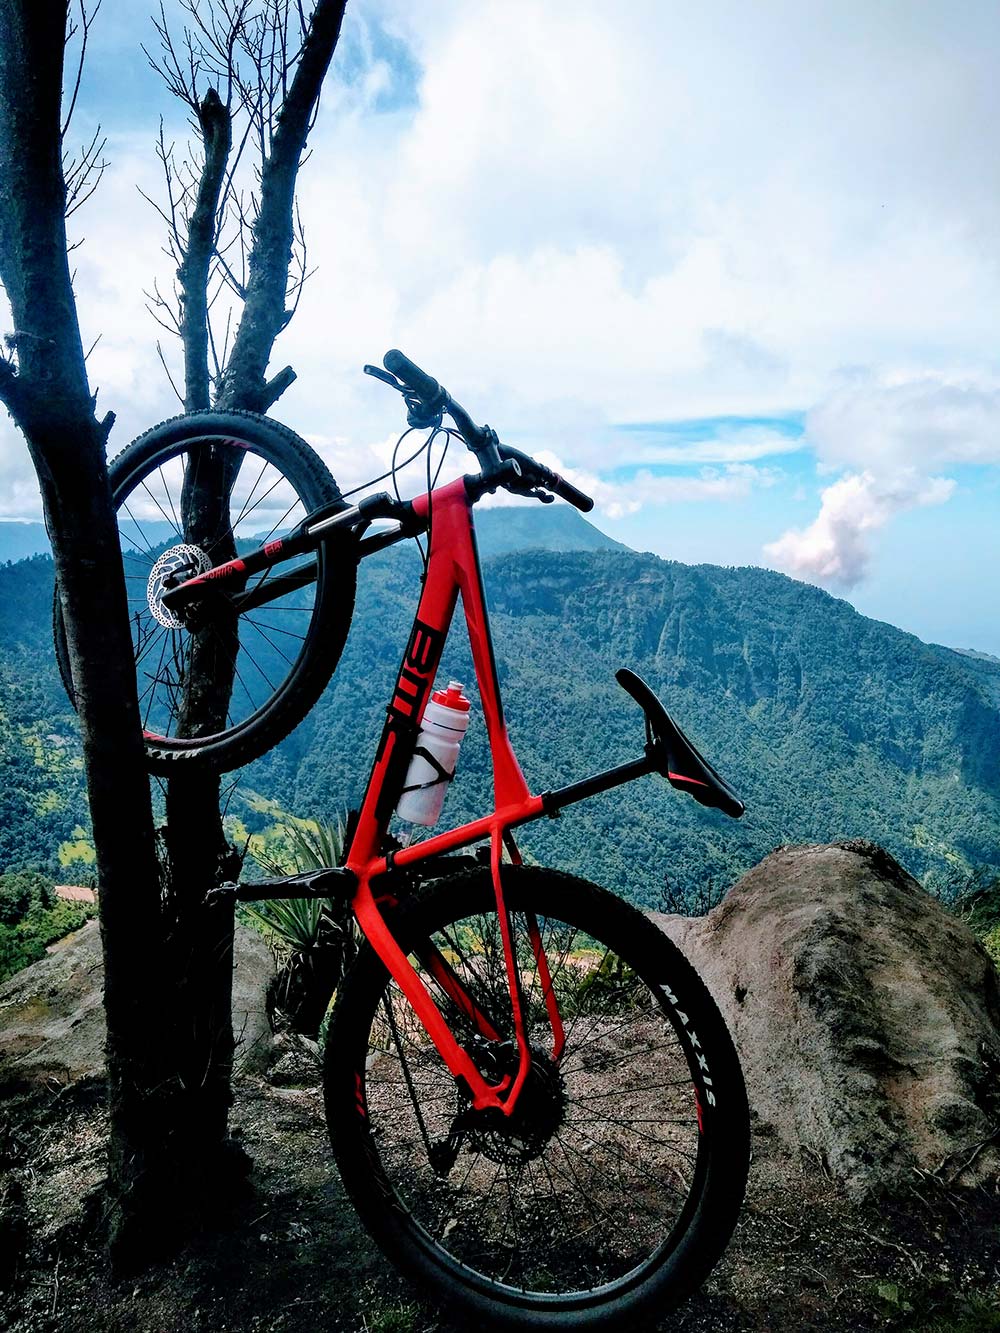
(20, 892)
(25, 941)
(31, 917)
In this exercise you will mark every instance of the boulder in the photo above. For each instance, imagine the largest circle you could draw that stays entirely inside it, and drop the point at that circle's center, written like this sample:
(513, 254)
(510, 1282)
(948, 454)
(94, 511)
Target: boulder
(52, 1014)
(867, 1016)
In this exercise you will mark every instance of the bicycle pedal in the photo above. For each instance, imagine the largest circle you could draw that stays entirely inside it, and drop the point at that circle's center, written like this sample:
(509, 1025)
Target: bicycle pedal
(328, 882)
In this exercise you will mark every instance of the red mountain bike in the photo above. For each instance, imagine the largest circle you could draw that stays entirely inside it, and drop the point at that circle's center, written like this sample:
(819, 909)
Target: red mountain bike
(533, 1101)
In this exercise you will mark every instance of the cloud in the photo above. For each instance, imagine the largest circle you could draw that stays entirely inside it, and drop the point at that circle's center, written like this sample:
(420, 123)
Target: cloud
(619, 497)
(925, 421)
(836, 549)
(733, 445)
(893, 433)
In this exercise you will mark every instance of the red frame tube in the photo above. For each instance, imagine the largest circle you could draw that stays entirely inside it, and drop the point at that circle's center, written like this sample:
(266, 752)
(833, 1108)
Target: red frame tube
(452, 568)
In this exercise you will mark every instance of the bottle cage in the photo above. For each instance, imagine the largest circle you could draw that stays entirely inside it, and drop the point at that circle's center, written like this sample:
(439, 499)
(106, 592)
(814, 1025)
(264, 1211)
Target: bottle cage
(442, 773)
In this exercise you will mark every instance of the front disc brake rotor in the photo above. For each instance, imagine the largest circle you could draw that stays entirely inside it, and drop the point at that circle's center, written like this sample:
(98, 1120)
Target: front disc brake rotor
(172, 567)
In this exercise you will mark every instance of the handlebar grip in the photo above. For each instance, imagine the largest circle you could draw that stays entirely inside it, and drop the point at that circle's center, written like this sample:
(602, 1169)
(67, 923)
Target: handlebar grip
(568, 492)
(422, 384)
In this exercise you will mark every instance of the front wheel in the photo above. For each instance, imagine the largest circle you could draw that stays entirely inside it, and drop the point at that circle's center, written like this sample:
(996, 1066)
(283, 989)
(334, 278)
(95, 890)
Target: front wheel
(613, 1189)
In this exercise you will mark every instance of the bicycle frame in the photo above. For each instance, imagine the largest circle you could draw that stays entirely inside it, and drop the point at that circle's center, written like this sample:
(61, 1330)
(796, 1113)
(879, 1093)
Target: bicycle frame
(452, 569)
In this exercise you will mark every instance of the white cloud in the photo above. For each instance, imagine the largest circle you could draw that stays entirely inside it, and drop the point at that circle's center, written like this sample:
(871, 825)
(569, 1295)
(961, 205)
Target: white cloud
(924, 421)
(898, 429)
(619, 497)
(727, 446)
(836, 549)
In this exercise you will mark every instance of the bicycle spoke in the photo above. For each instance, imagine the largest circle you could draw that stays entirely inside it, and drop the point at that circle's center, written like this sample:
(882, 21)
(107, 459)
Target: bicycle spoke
(178, 528)
(243, 511)
(257, 626)
(177, 531)
(138, 528)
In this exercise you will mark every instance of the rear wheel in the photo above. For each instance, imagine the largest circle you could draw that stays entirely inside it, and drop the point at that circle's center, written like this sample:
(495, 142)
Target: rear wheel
(615, 1186)
(223, 682)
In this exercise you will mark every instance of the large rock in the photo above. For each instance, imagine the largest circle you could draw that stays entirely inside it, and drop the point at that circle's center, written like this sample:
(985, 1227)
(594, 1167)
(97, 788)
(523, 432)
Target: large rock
(866, 1016)
(52, 1015)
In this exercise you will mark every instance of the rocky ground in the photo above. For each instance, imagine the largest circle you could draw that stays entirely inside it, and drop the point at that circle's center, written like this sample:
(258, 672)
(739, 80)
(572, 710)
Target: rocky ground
(868, 1022)
(295, 1259)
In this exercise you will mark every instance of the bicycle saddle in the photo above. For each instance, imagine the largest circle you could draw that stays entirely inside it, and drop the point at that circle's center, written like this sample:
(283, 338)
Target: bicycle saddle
(672, 754)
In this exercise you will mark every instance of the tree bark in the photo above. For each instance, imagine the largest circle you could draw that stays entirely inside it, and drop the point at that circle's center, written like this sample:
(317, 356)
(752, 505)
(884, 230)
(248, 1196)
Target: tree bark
(50, 400)
(202, 232)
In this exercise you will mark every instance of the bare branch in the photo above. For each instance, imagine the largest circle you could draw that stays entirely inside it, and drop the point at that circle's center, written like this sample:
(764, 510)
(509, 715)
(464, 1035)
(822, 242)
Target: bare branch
(166, 369)
(179, 72)
(219, 358)
(72, 28)
(274, 388)
(82, 174)
(229, 277)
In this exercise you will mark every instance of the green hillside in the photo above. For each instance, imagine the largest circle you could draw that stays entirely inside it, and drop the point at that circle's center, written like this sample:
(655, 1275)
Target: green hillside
(43, 808)
(829, 725)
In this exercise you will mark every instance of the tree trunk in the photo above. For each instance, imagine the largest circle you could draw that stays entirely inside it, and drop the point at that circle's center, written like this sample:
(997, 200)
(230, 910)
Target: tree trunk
(198, 855)
(162, 1135)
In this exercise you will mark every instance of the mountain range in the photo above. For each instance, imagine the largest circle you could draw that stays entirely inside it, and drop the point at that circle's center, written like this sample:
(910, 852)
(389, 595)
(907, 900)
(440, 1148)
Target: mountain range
(829, 725)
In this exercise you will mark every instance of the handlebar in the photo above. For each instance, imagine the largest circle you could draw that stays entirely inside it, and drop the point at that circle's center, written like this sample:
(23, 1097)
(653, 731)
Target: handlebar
(427, 400)
(423, 385)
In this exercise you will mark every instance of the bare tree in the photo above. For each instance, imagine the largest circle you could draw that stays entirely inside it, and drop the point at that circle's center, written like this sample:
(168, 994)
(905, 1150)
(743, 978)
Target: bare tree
(167, 960)
(249, 73)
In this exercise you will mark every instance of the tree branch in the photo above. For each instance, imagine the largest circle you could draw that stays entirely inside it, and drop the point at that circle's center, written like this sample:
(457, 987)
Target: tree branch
(200, 247)
(275, 387)
(264, 313)
(86, 21)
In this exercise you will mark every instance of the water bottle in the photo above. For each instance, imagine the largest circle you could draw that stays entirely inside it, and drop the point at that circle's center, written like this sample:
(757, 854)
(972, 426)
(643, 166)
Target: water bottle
(444, 723)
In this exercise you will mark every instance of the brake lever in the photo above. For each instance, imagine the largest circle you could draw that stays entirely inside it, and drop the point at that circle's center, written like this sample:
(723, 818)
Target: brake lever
(386, 378)
(418, 414)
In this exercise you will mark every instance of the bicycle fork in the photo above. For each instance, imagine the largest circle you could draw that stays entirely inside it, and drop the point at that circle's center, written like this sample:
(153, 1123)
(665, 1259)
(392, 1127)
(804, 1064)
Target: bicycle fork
(483, 1095)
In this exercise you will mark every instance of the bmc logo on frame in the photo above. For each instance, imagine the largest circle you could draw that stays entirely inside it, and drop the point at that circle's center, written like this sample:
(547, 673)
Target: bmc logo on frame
(417, 672)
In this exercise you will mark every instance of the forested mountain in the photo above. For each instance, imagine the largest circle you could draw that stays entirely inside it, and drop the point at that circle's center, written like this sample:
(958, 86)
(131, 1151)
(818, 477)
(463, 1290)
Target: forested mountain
(828, 724)
(43, 809)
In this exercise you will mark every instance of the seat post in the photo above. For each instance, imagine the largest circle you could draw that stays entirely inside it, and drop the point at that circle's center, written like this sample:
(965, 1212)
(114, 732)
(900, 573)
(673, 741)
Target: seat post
(553, 801)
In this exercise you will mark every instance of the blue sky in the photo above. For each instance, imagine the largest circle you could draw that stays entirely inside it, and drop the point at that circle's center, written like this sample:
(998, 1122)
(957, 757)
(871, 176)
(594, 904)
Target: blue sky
(734, 267)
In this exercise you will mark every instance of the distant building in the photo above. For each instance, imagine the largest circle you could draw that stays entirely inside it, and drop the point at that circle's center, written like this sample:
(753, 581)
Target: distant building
(74, 893)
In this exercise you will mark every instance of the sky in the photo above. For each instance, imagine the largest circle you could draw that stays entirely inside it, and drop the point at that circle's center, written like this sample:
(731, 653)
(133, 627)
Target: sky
(733, 268)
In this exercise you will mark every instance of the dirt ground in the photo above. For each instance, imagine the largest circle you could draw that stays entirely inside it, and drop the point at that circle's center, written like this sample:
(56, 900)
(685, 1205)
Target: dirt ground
(296, 1259)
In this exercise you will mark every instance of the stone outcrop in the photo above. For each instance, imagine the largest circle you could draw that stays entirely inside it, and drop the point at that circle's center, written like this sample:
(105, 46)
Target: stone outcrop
(52, 1015)
(867, 1017)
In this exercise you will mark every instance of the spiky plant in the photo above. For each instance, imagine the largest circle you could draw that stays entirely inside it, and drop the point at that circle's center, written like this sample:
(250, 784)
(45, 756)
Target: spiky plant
(316, 935)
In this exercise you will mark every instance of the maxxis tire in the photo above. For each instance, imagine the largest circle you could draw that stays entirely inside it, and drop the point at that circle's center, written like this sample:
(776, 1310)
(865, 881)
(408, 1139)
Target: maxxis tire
(707, 1221)
(335, 585)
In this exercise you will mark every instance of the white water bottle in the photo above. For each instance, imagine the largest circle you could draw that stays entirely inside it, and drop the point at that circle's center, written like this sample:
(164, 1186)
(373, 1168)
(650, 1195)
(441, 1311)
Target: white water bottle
(444, 723)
